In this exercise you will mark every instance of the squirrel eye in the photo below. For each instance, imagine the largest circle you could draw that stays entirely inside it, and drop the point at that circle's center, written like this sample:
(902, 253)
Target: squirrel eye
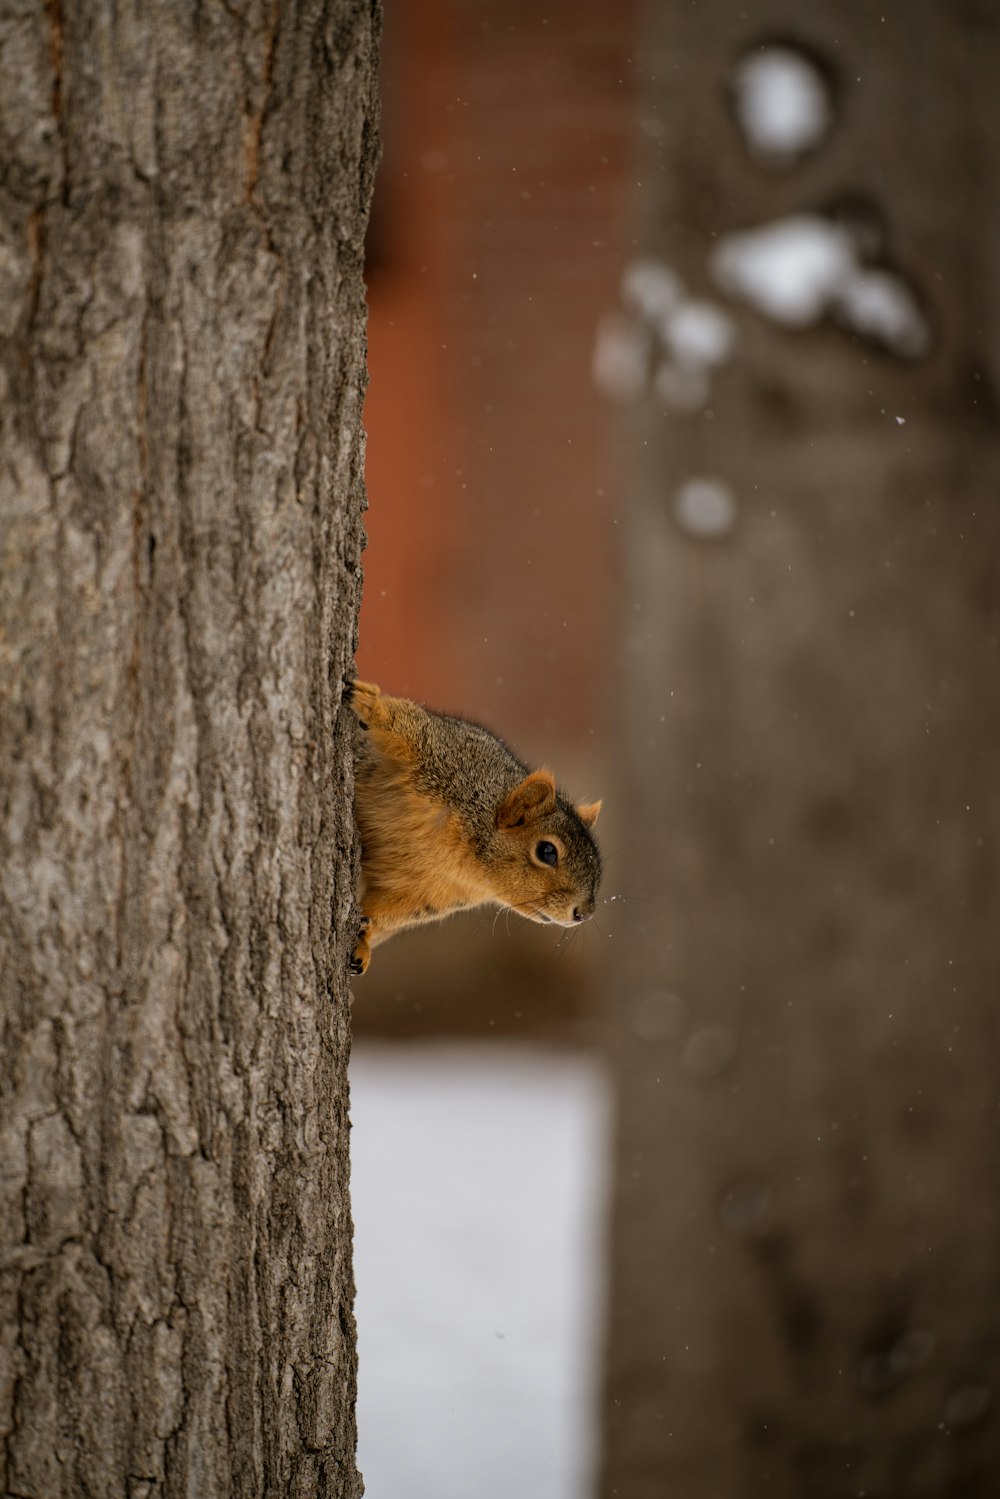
(547, 852)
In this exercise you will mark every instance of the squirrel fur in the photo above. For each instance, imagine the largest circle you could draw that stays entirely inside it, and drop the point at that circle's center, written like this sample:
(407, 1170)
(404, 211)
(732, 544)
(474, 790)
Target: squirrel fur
(450, 818)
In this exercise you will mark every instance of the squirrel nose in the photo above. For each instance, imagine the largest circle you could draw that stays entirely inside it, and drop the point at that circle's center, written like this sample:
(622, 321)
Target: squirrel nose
(581, 913)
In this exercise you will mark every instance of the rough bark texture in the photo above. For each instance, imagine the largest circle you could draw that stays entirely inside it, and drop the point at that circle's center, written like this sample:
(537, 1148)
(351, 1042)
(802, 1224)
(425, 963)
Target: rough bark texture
(182, 215)
(807, 1229)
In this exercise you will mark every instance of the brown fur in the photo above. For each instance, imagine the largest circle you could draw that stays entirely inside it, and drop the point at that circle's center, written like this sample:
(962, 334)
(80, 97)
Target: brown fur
(449, 818)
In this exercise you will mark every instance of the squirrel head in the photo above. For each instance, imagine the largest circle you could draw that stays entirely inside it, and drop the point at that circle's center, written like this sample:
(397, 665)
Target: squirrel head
(550, 866)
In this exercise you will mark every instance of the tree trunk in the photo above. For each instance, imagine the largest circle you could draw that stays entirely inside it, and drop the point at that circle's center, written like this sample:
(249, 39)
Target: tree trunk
(182, 313)
(807, 1230)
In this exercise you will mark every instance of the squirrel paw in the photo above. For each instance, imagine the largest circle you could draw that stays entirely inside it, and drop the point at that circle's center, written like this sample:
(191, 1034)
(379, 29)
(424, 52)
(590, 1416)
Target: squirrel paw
(362, 954)
(363, 699)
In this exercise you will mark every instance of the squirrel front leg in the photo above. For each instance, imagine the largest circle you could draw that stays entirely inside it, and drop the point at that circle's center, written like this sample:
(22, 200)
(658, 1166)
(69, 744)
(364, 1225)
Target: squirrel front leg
(362, 954)
(364, 699)
(392, 722)
(383, 915)
(375, 716)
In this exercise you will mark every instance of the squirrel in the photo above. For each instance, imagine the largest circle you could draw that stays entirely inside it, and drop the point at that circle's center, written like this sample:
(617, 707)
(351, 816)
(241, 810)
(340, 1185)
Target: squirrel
(450, 818)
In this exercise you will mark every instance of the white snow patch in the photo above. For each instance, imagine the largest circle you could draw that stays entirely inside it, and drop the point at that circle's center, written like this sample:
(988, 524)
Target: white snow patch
(878, 304)
(800, 269)
(789, 269)
(705, 508)
(478, 1181)
(783, 104)
(700, 334)
(684, 337)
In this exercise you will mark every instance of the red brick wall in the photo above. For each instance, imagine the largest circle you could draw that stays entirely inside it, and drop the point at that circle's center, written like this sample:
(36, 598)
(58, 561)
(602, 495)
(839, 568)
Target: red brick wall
(504, 216)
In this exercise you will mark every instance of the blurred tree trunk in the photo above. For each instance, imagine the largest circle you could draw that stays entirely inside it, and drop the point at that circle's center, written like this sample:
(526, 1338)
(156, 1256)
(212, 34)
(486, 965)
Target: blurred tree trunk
(182, 213)
(805, 1297)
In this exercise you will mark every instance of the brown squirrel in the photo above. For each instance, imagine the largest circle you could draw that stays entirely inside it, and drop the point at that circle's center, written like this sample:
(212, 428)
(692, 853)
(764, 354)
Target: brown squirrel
(450, 818)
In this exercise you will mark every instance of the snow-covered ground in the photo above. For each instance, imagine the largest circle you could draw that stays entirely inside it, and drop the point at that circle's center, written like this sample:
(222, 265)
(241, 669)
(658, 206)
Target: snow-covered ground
(479, 1176)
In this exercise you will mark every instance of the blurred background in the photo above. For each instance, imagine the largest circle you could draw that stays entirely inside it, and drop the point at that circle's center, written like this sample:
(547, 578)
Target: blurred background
(682, 465)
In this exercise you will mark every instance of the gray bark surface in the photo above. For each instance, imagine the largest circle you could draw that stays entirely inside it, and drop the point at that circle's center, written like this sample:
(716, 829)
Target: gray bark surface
(804, 1298)
(182, 214)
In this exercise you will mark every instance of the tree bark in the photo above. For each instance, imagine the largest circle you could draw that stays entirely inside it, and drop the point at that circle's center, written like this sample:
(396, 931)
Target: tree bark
(181, 306)
(804, 1288)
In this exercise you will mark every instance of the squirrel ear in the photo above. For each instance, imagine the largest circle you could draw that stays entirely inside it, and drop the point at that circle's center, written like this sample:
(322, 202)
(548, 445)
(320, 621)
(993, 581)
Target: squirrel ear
(535, 796)
(589, 813)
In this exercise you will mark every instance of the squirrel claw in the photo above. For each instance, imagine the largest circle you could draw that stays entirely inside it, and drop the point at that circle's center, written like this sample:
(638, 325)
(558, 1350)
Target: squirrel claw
(362, 954)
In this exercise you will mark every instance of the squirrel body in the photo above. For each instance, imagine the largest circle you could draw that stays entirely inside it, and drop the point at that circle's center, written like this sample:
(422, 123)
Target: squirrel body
(450, 818)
